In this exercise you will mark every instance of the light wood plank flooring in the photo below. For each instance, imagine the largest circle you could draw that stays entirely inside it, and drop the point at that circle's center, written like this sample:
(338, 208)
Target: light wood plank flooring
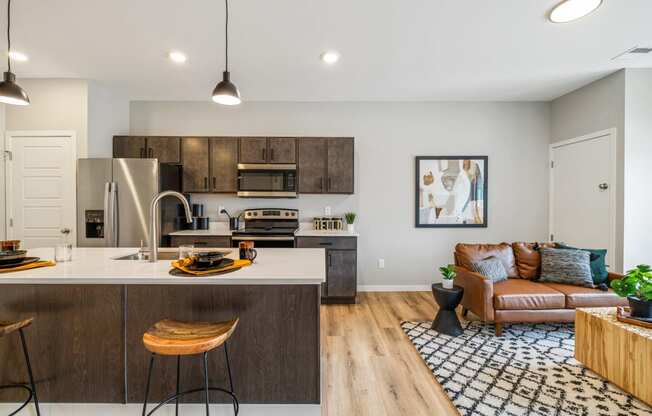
(369, 367)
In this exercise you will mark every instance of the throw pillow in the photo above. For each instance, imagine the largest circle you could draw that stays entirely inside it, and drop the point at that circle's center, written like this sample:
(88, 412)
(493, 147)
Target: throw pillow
(570, 267)
(528, 259)
(599, 271)
(491, 268)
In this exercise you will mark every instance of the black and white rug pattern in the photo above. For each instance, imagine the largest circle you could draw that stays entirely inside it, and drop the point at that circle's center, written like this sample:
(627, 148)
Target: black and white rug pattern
(530, 370)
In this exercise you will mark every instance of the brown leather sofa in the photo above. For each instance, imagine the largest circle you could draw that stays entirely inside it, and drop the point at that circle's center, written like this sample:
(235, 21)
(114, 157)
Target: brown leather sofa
(521, 298)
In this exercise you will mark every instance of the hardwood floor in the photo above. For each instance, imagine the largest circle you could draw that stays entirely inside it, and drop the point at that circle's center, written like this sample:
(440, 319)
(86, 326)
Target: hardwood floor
(369, 365)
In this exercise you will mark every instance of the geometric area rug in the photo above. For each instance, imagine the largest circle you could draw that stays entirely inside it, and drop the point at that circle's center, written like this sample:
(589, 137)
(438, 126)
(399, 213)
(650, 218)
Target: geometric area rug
(530, 370)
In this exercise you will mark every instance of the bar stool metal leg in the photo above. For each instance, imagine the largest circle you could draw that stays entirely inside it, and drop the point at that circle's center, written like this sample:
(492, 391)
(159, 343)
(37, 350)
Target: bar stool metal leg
(176, 406)
(208, 412)
(149, 381)
(29, 371)
(236, 406)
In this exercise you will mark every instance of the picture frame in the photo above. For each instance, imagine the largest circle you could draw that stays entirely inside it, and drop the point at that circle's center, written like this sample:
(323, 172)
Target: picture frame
(451, 191)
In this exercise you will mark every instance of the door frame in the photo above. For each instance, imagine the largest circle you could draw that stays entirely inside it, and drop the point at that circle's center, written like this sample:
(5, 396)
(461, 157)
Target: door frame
(613, 182)
(9, 200)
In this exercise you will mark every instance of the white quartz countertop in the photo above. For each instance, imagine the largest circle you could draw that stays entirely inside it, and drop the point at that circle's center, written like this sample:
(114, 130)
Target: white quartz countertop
(215, 229)
(273, 266)
(222, 229)
(306, 230)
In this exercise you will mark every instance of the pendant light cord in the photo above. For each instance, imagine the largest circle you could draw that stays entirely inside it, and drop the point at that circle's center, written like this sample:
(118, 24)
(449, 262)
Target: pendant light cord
(9, 34)
(226, 30)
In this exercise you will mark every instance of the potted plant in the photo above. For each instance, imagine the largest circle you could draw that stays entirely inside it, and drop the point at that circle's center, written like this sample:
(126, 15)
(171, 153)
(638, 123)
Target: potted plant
(448, 274)
(636, 286)
(349, 217)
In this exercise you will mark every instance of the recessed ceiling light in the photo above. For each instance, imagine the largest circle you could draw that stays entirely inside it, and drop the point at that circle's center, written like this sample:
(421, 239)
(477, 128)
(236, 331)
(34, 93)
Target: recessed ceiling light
(18, 56)
(569, 10)
(178, 57)
(330, 57)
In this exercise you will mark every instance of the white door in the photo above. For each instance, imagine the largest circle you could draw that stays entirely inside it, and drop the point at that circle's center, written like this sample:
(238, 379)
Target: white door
(583, 192)
(41, 188)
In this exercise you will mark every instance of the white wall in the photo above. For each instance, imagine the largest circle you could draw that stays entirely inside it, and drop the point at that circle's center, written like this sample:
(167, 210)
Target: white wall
(3, 196)
(638, 151)
(56, 104)
(515, 136)
(108, 115)
(595, 107)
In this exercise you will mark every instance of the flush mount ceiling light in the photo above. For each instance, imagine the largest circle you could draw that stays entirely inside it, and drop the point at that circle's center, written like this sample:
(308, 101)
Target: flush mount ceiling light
(226, 92)
(18, 56)
(177, 57)
(10, 92)
(570, 10)
(330, 57)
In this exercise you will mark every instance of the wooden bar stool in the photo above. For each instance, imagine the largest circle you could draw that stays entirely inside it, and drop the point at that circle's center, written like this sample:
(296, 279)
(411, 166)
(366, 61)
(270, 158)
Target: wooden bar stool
(168, 337)
(6, 328)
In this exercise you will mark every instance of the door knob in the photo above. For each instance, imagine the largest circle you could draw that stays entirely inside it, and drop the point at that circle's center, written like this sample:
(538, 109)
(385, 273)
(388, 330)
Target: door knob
(603, 186)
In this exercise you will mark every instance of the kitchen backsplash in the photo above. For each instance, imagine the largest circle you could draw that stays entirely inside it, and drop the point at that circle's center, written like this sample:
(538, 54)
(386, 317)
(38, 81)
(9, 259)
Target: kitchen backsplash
(309, 206)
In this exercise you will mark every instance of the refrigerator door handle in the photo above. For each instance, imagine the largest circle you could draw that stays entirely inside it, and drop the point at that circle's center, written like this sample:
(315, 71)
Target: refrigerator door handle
(115, 235)
(108, 219)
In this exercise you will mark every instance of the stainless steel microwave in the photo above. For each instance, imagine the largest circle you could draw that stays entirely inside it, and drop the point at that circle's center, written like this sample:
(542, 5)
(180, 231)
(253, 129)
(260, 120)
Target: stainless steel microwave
(267, 180)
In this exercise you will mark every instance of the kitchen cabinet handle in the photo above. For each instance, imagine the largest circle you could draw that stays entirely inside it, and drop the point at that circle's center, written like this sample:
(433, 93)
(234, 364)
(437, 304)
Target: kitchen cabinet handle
(214, 182)
(325, 244)
(271, 154)
(330, 261)
(264, 154)
(150, 152)
(142, 152)
(205, 182)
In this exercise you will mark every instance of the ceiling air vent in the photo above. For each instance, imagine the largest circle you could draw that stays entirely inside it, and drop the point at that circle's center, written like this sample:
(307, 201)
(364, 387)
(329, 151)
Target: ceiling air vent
(635, 51)
(640, 50)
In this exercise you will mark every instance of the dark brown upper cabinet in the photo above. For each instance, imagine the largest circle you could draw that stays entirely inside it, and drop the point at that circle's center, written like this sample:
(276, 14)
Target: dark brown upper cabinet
(129, 147)
(312, 165)
(282, 150)
(224, 164)
(264, 150)
(195, 153)
(165, 149)
(253, 150)
(340, 166)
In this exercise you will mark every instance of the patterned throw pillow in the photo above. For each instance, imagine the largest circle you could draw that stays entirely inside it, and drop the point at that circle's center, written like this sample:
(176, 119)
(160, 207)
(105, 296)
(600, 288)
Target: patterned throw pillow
(491, 268)
(570, 267)
(598, 263)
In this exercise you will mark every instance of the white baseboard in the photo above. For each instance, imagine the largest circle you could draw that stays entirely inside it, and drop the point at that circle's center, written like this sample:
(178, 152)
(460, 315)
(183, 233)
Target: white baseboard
(83, 409)
(394, 288)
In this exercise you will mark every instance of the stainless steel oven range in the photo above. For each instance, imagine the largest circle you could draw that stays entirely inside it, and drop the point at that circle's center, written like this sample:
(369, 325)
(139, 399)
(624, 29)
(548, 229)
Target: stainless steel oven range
(268, 227)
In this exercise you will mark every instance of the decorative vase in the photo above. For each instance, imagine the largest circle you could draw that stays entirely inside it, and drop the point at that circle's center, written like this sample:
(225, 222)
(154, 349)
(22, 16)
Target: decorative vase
(640, 308)
(447, 283)
(350, 228)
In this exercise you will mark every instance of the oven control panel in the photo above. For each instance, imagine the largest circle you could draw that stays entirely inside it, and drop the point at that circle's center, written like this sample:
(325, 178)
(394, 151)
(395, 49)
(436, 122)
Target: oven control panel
(271, 214)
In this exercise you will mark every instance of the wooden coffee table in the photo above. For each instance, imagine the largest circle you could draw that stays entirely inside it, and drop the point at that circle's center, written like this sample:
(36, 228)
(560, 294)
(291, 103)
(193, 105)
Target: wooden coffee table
(619, 352)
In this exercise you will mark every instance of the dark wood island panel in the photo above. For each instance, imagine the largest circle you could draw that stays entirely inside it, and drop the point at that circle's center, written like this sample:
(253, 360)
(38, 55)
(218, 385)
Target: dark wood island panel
(274, 350)
(75, 343)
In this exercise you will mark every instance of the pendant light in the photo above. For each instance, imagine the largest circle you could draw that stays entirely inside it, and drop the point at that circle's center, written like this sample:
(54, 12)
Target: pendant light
(10, 92)
(226, 92)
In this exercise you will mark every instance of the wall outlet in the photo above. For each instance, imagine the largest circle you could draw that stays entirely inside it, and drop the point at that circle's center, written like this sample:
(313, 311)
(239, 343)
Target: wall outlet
(327, 211)
(219, 209)
(381, 263)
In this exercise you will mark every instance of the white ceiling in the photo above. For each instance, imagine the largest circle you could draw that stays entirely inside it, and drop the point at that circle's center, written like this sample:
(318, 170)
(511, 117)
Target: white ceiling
(391, 49)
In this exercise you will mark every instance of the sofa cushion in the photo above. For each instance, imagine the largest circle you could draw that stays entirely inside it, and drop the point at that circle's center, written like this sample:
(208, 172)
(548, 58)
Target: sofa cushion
(467, 254)
(586, 297)
(521, 294)
(571, 267)
(528, 259)
(491, 268)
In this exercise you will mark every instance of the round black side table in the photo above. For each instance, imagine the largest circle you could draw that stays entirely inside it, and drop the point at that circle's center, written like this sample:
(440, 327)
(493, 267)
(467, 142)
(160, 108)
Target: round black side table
(446, 320)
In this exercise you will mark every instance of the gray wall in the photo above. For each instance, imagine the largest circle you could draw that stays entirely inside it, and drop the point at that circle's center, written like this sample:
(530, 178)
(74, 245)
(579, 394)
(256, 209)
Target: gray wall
(108, 115)
(592, 108)
(638, 151)
(515, 136)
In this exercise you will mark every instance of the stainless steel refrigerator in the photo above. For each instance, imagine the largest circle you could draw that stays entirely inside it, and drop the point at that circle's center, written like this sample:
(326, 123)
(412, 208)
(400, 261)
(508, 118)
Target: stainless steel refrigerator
(113, 199)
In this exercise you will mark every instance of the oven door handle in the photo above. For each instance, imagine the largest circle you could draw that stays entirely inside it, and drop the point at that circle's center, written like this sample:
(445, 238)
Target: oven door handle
(261, 238)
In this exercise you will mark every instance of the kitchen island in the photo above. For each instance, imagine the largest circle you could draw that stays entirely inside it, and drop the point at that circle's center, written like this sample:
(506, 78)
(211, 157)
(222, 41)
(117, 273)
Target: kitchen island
(90, 315)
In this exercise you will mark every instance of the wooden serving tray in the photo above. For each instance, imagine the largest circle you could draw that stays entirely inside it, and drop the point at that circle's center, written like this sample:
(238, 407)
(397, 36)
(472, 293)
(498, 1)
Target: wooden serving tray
(623, 315)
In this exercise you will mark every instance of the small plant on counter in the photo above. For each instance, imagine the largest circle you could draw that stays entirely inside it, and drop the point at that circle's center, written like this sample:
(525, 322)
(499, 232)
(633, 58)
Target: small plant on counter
(636, 286)
(349, 217)
(448, 274)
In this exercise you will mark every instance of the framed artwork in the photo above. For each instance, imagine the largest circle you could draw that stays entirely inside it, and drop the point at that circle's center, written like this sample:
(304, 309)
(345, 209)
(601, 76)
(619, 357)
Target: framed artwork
(451, 191)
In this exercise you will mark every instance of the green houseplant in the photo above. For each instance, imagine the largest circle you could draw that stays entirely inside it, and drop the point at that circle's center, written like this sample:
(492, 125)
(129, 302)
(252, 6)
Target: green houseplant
(636, 286)
(349, 217)
(448, 274)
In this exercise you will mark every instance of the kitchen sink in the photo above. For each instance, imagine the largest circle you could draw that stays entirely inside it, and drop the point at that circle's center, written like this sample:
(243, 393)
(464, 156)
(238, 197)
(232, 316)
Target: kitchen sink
(162, 255)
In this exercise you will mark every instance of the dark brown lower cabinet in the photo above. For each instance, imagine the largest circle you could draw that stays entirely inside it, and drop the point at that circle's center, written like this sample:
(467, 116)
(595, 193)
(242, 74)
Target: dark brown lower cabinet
(341, 266)
(86, 343)
(199, 241)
